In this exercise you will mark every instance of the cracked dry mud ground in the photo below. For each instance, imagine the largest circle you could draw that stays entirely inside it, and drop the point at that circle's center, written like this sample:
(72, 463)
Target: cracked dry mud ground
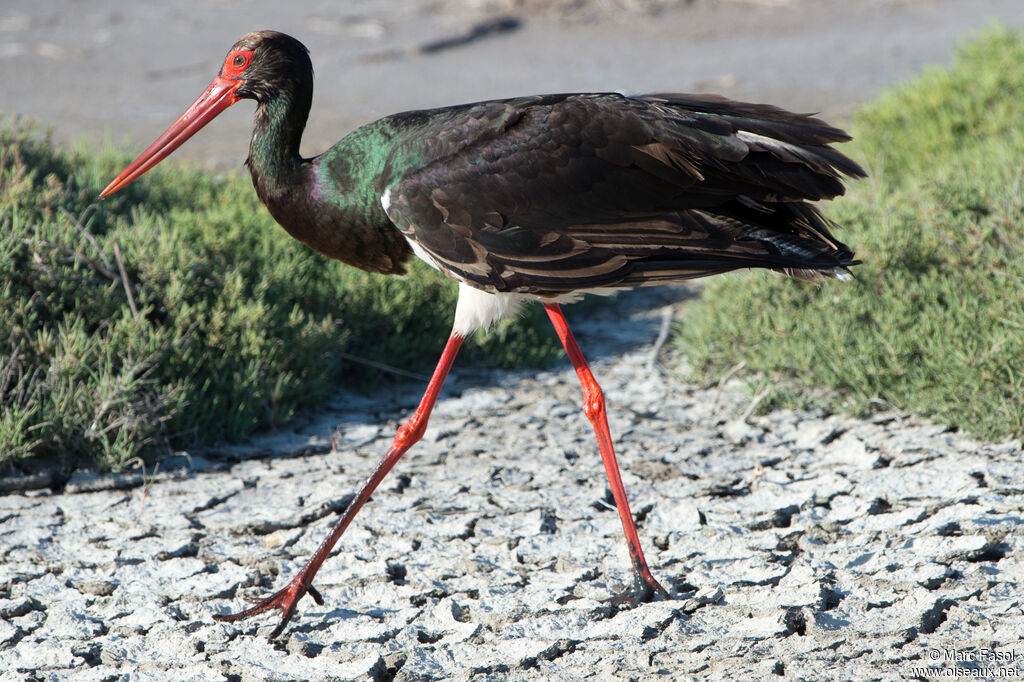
(802, 545)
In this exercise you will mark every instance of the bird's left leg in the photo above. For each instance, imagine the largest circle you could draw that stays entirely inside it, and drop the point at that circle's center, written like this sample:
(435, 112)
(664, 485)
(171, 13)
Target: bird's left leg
(288, 597)
(645, 587)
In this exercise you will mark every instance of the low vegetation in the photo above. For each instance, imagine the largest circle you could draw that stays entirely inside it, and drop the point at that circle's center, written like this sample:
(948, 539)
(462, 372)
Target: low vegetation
(933, 322)
(178, 312)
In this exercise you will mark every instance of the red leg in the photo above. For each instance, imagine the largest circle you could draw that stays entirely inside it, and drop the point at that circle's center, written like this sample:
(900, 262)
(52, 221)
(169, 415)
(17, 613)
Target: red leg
(410, 432)
(644, 585)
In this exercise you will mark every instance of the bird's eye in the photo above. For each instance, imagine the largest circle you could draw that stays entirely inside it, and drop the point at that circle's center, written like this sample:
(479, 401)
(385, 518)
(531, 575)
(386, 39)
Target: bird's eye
(236, 63)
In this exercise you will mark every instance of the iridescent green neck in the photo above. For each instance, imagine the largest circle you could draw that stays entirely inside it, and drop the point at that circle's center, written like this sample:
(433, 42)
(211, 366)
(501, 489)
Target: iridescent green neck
(330, 203)
(274, 158)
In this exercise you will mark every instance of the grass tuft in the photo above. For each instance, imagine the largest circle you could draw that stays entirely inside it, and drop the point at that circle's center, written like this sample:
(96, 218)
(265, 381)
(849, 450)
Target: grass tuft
(933, 322)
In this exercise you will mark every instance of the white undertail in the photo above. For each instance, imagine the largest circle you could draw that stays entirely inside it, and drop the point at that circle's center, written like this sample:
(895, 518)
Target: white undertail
(478, 309)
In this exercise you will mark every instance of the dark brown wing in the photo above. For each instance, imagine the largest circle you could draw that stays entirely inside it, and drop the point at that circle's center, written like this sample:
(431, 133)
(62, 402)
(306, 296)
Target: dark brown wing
(557, 193)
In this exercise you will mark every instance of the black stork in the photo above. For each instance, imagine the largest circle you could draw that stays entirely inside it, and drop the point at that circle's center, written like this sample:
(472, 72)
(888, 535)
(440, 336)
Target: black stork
(536, 198)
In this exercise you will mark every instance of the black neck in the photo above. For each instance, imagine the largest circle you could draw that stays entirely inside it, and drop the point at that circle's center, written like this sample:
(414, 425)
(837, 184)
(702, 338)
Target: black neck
(281, 116)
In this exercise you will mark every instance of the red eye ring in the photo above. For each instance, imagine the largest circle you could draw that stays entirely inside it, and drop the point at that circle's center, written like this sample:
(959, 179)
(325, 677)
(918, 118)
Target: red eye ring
(236, 63)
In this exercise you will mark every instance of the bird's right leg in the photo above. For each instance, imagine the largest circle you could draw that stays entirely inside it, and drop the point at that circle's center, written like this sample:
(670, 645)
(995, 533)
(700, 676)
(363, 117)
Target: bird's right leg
(645, 587)
(287, 598)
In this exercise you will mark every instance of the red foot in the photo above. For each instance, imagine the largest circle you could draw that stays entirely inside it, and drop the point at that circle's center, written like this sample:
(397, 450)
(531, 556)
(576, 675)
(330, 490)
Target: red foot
(286, 600)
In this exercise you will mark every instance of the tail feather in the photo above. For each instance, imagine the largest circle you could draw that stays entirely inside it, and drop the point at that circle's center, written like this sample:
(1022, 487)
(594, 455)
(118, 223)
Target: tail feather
(784, 156)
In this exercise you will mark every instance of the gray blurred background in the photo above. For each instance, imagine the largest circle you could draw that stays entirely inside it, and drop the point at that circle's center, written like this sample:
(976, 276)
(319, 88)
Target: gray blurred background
(124, 71)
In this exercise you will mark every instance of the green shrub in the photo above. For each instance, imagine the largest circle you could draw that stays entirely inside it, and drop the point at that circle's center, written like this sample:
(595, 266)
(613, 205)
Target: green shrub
(933, 322)
(221, 324)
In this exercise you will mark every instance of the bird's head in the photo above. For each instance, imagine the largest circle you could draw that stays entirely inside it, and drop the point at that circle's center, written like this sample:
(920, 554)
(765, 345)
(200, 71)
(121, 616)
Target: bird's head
(263, 65)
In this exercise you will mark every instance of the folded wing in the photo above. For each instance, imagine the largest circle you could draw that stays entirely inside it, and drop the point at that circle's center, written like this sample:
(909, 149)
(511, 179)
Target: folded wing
(560, 193)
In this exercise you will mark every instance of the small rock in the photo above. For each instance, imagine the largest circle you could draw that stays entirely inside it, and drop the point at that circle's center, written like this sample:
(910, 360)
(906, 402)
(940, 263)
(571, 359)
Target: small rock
(739, 431)
(36, 655)
(9, 633)
(19, 606)
(72, 619)
(99, 588)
